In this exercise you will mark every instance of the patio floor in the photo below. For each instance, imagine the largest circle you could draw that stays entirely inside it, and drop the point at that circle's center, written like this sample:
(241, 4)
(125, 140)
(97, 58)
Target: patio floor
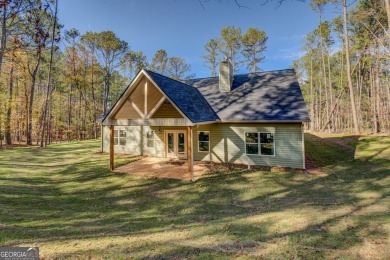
(163, 168)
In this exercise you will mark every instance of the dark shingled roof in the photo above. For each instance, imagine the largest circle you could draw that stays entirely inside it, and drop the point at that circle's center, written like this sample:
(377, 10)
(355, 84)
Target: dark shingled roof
(272, 95)
(188, 99)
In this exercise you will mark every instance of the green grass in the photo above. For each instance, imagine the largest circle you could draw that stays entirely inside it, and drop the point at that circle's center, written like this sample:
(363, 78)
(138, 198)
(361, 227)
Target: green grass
(63, 199)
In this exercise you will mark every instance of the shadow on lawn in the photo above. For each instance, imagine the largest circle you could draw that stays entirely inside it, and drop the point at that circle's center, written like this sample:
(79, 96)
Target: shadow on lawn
(84, 200)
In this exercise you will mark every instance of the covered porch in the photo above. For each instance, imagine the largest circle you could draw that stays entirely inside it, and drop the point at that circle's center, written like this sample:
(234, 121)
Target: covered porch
(176, 147)
(163, 168)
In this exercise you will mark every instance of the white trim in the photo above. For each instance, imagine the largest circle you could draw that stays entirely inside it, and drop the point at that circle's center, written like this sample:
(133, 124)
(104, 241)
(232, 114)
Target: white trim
(197, 133)
(156, 107)
(118, 137)
(154, 139)
(176, 142)
(259, 143)
(150, 122)
(205, 123)
(258, 139)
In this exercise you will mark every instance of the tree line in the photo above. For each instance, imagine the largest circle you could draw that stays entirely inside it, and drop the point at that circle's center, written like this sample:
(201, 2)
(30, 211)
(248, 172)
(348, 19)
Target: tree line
(240, 49)
(54, 84)
(345, 70)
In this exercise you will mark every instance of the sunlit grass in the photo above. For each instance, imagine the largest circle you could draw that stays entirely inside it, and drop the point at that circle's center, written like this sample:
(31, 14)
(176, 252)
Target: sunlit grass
(63, 199)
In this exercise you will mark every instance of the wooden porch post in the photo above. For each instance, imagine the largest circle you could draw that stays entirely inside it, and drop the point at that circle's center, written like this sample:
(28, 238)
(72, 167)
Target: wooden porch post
(189, 153)
(112, 165)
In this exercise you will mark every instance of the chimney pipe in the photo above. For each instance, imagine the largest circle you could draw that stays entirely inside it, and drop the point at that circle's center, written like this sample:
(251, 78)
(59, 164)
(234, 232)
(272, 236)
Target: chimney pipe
(225, 76)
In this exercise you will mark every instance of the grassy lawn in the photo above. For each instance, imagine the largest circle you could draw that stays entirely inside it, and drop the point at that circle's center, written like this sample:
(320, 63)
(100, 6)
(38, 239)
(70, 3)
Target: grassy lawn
(64, 200)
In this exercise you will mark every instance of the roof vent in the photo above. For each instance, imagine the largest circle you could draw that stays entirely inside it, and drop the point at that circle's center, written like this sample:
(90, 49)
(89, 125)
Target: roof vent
(225, 76)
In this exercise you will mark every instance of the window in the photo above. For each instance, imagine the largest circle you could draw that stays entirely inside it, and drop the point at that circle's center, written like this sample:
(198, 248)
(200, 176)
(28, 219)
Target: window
(204, 141)
(267, 144)
(150, 139)
(120, 137)
(252, 143)
(259, 143)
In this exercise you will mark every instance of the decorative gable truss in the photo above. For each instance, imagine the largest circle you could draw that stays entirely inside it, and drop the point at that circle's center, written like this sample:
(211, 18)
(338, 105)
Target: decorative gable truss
(143, 103)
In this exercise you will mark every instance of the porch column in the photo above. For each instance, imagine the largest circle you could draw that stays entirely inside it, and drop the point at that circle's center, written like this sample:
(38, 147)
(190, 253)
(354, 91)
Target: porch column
(190, 158)
(112, 165)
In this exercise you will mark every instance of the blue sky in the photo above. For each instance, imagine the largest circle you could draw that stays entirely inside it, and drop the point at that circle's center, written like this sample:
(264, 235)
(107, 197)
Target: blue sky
(182, 27)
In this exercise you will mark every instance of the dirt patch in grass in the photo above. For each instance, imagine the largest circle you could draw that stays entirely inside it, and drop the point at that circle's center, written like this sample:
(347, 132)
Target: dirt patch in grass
(347, 142)
(312, 167)
(234, 246)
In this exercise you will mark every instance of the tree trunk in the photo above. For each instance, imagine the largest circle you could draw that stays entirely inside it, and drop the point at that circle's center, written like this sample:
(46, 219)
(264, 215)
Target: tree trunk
(69, 119)
(372, 103)
(106, 92)
(377, 95)
(349, 77)
(311, 95)
(94, 103)
(323, 66)
(8, 137)
(3, 40)
(48, 89)
(31, 101)
(387, 2)
(330, 90)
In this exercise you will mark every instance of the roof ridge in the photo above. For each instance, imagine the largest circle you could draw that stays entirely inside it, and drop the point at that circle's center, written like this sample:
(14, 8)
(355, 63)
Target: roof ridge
(169, 78)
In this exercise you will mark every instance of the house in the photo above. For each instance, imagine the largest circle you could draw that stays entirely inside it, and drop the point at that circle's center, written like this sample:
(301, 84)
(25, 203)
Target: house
(254, 118)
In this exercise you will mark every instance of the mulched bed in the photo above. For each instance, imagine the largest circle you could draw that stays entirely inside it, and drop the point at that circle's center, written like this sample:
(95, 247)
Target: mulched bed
(176, 162)
(222, 168)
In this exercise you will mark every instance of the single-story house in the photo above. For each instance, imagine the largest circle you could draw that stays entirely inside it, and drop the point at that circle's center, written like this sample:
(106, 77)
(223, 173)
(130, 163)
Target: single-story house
(254, 118)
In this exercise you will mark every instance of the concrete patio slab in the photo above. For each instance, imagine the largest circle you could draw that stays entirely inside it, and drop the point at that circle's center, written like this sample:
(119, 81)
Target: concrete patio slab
(163, 168)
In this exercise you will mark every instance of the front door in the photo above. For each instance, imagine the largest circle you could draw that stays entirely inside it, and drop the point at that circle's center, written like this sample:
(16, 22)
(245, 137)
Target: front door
(176, 144)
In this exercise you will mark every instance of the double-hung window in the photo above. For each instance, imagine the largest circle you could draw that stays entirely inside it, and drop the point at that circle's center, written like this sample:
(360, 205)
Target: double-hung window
(203, 141)
(259, 143)
(150, 139)
(119, 137)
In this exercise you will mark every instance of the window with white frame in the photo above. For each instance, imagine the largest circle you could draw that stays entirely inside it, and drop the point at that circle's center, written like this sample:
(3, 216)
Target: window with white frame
(259, 143)
(150, 139)
(203, 141)
(119, 137)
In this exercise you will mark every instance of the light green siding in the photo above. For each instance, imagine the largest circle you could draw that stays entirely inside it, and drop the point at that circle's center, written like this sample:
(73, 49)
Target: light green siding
(136, 141)
(227, 143)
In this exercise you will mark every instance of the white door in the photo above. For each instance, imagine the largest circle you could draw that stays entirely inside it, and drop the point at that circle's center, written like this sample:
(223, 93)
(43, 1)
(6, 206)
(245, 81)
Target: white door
(176, 144)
